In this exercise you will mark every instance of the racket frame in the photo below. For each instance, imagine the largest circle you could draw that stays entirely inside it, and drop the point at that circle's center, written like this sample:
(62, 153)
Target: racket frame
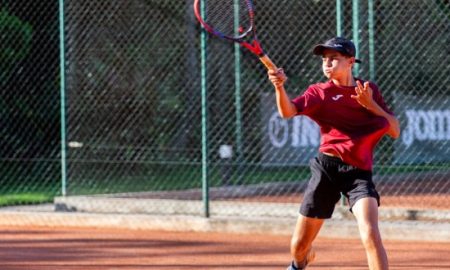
(254, 46)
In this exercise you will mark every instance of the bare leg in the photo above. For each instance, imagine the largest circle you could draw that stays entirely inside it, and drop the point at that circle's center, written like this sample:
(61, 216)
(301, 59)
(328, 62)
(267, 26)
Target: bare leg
(366, 213)
(305, 232)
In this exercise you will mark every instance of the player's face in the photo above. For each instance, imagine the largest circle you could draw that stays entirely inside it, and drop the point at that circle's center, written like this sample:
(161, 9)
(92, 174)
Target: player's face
(336, 65)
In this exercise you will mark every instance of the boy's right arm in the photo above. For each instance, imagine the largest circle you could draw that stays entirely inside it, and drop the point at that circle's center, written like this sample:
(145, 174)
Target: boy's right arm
(286, 108)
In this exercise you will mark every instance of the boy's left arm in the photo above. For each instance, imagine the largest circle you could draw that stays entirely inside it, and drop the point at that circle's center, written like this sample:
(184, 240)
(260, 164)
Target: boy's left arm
(364, 96)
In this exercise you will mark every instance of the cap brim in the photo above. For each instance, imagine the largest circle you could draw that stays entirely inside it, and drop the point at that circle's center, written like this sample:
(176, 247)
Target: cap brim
(318, 50)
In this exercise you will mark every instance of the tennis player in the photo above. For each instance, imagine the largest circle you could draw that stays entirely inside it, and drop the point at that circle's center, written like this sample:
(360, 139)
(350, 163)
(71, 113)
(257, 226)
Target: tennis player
(352, 117)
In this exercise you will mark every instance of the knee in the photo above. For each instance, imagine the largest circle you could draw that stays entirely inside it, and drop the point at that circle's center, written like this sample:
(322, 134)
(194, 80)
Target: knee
(370, 236)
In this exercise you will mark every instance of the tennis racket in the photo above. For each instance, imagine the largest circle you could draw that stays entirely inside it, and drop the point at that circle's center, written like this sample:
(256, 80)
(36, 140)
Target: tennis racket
(232, 20)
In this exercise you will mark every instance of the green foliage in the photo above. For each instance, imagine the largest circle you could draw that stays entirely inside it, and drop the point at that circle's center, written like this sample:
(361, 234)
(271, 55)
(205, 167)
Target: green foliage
(15, 41)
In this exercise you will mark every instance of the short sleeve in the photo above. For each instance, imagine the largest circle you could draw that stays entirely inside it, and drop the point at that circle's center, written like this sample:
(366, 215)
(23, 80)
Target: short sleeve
(308, 102)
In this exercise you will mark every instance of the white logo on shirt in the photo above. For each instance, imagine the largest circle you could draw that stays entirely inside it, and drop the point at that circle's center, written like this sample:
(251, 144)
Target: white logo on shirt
(337, 97)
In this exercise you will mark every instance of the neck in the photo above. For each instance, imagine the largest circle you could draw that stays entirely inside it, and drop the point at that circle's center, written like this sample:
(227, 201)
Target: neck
(345, 81)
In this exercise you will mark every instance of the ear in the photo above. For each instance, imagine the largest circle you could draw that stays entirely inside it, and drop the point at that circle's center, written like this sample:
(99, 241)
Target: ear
(352, 61)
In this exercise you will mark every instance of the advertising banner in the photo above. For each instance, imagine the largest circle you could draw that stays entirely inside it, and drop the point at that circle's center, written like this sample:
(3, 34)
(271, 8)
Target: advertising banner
(425, 133)
(287, 141)
(425, 130)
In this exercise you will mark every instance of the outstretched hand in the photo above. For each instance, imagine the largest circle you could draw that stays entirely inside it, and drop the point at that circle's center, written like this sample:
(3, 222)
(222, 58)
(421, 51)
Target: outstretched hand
(364, 95)
(277, 77)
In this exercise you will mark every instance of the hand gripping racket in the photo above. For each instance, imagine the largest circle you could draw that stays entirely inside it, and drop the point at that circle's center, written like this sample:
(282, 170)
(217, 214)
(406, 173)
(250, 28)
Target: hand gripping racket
(232, 20)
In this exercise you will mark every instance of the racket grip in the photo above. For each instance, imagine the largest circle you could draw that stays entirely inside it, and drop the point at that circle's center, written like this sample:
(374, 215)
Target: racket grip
(267, 62)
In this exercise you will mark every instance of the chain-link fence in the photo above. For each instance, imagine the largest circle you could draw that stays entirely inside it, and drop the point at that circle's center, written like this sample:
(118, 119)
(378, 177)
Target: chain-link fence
(29, 102)
(140, 123)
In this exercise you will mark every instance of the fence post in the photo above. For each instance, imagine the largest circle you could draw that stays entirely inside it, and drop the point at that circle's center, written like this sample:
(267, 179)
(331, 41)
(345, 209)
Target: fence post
(205, 180)
(371, 41)
(62, 88)
(339, 18)
(237, 95)
(355, 26)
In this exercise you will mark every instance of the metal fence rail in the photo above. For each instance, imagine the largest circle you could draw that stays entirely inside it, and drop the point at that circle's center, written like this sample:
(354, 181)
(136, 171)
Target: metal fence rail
(133, 100)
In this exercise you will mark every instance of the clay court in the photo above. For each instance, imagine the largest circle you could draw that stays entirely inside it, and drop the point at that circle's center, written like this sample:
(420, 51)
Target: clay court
(39, 248)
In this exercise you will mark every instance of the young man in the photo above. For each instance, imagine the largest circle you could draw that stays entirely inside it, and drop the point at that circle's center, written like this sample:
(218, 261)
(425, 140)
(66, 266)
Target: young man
(352, 117)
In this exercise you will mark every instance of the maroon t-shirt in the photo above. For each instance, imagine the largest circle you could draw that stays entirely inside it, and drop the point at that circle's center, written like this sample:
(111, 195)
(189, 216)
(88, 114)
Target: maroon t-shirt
(346, 127)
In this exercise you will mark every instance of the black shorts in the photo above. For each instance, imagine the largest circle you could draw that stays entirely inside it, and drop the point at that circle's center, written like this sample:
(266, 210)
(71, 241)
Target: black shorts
(330, 177)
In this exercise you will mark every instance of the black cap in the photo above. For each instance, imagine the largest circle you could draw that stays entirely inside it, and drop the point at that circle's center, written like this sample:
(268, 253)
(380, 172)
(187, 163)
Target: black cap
(339, 44)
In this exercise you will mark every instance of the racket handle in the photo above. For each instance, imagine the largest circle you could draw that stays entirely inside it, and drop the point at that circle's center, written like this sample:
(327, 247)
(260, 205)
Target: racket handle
(267, 62)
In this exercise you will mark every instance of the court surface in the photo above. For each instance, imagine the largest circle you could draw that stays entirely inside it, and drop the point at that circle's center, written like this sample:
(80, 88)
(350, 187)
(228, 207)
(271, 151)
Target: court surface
(82, 248)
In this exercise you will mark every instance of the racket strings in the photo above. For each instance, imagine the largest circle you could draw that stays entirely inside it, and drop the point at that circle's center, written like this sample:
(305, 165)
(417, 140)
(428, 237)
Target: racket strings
(229, 17)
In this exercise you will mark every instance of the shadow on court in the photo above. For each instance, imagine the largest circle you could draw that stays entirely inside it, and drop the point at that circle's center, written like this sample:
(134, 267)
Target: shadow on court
(63, 248)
